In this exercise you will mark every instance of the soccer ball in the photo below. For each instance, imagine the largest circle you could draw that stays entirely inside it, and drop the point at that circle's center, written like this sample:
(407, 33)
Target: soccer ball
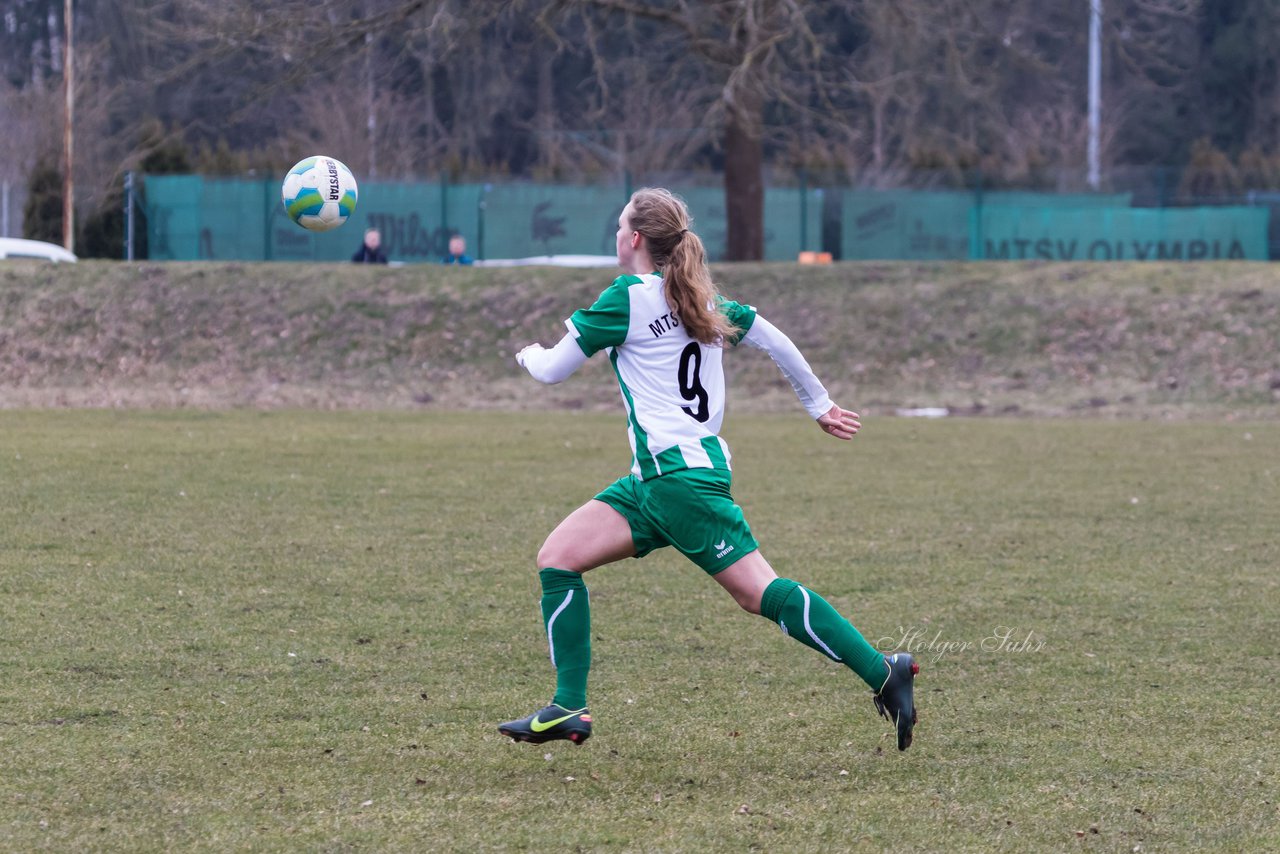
(319, 193)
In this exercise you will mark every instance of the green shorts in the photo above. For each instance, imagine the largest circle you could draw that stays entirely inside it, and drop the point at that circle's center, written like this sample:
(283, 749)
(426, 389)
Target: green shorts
(690, 509)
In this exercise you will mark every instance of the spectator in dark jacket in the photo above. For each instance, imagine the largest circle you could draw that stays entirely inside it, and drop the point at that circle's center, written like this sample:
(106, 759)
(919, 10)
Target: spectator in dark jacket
(457, 251)
(370, 251)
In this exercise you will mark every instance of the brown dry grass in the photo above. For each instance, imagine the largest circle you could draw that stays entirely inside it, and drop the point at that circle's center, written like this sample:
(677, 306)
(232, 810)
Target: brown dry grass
(1121, 340)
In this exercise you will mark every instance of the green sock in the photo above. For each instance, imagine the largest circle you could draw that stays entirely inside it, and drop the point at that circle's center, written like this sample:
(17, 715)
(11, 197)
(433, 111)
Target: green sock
(566, 610)
(807, 617)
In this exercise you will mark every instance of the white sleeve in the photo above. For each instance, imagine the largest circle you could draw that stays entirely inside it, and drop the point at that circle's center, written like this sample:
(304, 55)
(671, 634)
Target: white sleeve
(554, 365)
(763, 335)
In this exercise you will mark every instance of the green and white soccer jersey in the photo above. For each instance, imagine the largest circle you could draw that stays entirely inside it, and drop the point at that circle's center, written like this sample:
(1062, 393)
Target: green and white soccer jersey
(672, 385)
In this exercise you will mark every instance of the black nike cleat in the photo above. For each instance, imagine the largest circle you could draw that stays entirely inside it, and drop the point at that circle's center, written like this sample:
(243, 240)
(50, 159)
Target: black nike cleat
(896, 699)
(549, 724)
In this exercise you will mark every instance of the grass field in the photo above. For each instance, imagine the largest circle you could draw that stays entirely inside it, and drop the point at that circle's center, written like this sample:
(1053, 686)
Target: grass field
(296, 630)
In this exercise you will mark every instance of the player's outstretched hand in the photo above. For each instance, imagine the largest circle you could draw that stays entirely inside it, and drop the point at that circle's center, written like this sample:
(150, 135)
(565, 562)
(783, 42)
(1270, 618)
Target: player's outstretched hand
(523, 354)
(840, 423)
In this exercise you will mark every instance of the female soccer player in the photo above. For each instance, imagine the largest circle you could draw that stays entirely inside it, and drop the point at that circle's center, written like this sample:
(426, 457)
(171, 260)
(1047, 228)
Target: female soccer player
(665, 328)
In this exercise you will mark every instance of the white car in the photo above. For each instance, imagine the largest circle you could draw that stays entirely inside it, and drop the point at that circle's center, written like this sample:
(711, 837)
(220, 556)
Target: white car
(553, 261)
(16, 247)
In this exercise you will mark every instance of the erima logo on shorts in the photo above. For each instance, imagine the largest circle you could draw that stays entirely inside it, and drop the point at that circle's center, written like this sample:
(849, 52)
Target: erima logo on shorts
(721, 551)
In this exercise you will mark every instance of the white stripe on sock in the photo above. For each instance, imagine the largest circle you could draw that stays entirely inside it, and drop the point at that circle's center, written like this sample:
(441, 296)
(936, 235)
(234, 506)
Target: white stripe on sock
(551, 622)
(808, 628)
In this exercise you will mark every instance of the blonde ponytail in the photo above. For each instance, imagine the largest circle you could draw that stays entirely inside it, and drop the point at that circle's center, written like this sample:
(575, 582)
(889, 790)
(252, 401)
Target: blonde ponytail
(663, 220)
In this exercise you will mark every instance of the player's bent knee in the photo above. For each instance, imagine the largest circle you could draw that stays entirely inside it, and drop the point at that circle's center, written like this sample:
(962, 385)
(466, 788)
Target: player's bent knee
(547, 558)
(557, 556)
(746, 581)
(748, 602)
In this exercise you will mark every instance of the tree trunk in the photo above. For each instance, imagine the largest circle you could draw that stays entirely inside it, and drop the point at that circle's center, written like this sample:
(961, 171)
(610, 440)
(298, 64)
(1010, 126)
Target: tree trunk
(744, 180)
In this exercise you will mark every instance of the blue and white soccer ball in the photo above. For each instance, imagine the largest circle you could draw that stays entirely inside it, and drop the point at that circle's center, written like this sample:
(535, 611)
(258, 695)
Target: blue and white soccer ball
(319, 193)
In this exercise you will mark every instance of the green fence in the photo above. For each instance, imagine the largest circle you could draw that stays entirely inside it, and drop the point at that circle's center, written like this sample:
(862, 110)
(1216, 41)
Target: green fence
(903, 224)
(190, 217)
(1124, 234)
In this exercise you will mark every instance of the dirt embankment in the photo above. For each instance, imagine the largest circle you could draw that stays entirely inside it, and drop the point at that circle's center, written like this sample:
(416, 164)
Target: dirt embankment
(1145, 340)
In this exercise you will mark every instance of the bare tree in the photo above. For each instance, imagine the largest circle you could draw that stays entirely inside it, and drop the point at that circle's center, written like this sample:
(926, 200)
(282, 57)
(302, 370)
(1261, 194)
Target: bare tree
(575, 89)
(30, 125)
(732, 58)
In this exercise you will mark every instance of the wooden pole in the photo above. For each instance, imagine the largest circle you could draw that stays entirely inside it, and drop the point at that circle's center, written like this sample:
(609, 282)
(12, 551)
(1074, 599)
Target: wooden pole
(68, 159)
(1095, 91)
